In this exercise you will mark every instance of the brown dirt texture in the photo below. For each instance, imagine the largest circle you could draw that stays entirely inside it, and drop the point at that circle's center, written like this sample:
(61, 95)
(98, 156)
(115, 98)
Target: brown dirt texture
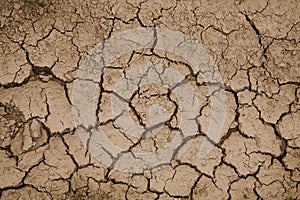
(45, 154)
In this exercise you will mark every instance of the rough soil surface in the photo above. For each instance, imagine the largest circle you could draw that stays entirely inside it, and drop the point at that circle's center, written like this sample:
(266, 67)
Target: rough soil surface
(256, 46)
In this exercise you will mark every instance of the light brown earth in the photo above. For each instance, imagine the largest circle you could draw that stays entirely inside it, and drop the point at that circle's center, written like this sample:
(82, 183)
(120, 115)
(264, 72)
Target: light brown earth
(256, 46)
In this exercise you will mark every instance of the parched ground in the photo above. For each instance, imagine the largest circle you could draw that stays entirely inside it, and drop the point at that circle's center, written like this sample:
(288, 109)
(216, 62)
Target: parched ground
(255, 45)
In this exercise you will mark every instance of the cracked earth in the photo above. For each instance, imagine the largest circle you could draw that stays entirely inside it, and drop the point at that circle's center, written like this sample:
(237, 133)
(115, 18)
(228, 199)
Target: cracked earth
(255, 45)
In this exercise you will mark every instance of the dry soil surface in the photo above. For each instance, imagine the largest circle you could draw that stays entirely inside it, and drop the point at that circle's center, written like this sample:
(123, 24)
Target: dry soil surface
(254, 44)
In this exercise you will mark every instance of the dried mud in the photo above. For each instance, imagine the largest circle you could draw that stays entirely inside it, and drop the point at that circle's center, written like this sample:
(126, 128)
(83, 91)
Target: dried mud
(255, 45)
